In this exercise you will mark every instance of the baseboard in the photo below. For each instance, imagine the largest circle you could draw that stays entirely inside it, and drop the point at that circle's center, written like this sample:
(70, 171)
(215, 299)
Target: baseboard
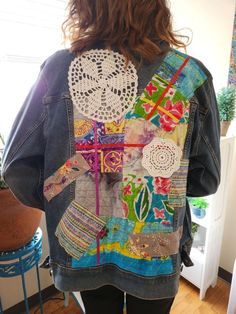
(225, 275)
(33, 301)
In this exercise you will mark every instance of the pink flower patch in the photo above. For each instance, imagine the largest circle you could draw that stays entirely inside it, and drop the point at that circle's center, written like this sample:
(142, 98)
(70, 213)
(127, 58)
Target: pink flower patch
(159, 213)
(127, 190)
(176, 110)
(125, 209)
(147, 108)
(166, 222)
(68, 163)
(162, 185)
(151, 88)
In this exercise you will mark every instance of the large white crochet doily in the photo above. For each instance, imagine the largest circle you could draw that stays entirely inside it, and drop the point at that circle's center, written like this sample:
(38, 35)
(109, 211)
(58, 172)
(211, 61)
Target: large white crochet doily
(161, 157)
(101, 86)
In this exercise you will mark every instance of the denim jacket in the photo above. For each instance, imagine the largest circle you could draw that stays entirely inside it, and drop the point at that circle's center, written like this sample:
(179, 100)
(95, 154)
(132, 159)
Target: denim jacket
(142, 234)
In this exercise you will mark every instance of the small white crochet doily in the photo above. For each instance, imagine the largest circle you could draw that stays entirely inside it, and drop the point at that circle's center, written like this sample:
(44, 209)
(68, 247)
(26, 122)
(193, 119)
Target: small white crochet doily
(161, 157)
(102, 87)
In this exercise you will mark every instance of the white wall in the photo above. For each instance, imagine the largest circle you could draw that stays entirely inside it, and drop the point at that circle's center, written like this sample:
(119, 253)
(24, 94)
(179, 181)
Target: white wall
(228, 250)
(211, 23)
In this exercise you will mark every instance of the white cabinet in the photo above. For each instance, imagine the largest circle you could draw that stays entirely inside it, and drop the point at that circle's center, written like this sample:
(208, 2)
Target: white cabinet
(205, 252)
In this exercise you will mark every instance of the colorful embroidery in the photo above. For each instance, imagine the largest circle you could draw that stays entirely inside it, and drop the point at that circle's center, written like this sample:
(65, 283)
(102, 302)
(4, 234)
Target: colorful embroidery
(77, 229)
(74, 167)
(161, 157)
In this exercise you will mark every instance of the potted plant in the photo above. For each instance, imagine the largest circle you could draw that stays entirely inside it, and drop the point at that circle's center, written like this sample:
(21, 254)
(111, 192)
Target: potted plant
(226, 104)
(198, 206)
(18, 222)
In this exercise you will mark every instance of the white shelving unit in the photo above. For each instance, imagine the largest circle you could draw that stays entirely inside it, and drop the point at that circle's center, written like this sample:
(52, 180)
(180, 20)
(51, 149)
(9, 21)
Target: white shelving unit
(205, 252)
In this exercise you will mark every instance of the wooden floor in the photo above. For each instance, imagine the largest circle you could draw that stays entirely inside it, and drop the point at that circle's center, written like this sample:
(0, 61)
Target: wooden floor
(186, 302)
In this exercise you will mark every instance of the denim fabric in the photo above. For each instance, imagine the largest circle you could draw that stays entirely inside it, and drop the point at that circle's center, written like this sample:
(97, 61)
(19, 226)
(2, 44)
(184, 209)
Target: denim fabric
(42, 139)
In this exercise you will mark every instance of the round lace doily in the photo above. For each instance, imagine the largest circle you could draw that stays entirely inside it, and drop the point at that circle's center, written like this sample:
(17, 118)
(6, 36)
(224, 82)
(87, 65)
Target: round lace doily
(161, 158)
(101, 86)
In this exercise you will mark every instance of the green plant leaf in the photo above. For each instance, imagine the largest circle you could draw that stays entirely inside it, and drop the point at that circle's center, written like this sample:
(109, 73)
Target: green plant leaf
(142, 204)
(226, 99)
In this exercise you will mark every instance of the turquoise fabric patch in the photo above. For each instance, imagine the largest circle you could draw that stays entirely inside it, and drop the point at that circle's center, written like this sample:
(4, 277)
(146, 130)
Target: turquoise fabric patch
(189, 79)
(118, 231)
(145, 268)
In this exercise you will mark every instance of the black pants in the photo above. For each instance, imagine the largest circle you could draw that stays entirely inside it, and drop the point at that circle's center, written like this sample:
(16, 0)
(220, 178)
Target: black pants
(110, 300)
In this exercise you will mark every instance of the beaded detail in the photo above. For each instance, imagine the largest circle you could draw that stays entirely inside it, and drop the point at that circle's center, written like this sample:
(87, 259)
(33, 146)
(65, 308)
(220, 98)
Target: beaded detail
(161, 157)
(102, 86)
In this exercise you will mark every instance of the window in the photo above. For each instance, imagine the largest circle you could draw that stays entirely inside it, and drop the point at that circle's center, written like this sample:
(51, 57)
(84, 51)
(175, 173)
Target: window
(30, 31)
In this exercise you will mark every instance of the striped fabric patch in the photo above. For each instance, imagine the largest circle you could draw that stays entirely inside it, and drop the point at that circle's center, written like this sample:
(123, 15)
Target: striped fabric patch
(177, 195)
(77, 229)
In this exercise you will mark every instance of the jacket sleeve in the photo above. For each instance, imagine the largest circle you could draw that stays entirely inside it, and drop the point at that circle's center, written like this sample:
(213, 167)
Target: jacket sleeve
(23, 157)
(204, 166)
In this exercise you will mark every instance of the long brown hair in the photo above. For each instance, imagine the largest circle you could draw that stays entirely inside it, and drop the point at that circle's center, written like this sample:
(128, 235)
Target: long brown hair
(132, 26)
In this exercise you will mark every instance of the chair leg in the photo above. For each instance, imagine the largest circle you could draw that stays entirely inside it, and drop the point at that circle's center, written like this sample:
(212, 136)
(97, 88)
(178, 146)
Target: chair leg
(1, 310)
(24, 288)
(39, 289)
(79, 301)
(25, 294)
(66, 301)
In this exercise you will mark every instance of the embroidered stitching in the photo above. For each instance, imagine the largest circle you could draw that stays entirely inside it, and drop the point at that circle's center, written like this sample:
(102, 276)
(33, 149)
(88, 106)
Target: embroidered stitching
(155, 244)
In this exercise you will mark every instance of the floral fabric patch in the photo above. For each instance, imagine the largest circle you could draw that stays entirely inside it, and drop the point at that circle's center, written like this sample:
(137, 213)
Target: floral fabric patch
(171, 110)
(142, 203)
(67, 173)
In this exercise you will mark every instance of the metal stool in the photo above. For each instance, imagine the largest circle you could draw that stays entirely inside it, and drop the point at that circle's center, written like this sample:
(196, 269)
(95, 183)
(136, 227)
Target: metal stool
(24, 258)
